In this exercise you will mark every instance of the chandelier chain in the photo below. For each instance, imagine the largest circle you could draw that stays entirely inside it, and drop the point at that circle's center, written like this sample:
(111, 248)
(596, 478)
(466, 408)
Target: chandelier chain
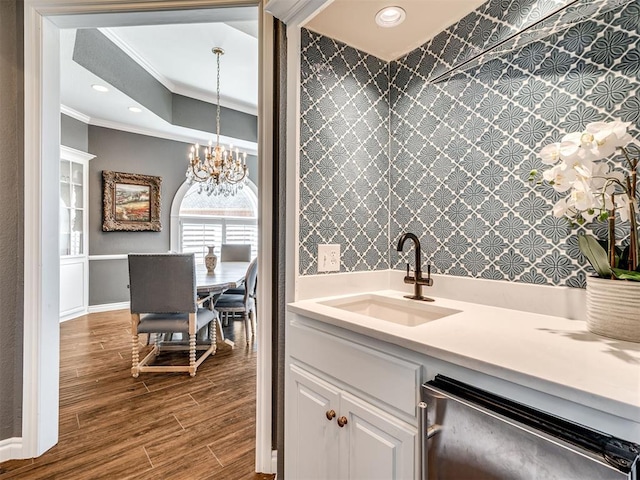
(218, 53)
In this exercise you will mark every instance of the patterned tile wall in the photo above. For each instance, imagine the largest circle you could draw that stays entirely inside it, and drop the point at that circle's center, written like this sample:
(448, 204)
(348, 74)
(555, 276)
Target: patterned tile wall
(344, 158)
(468, 144)
(460, 150)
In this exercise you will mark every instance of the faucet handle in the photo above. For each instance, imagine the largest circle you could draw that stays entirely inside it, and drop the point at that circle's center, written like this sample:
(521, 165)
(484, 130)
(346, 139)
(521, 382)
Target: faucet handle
(408, 278)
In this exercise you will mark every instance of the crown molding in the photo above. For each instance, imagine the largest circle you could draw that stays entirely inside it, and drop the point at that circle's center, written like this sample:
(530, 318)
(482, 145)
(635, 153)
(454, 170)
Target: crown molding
(136, 57)
(70, 112)
(227, 102)
(179, 89)
(295, 12)
(250, 147)
(68, 153)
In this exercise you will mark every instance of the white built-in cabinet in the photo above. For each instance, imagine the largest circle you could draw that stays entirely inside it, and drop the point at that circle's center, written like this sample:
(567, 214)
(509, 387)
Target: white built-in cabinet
(73, 237)
(345, 419)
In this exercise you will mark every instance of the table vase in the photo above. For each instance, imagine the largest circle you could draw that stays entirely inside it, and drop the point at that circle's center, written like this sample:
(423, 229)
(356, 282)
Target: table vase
(210, 260)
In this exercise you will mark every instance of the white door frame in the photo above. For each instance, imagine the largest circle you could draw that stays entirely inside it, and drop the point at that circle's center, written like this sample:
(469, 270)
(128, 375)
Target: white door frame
(42, 20)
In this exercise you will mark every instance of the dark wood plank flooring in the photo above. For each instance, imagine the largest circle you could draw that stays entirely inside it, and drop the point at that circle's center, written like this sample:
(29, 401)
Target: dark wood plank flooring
(157, 426)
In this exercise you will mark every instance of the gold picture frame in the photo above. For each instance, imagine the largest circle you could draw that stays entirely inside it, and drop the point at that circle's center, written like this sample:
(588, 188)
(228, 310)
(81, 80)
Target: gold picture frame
(130, 202)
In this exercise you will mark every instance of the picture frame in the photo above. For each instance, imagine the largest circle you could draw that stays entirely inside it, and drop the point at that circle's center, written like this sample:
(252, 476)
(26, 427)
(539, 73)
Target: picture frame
(130, 202)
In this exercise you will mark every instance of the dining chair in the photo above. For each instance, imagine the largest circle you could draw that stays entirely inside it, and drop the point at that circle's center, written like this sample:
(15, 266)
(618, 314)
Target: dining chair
(164, 302)
(244, 304)
(231, 252)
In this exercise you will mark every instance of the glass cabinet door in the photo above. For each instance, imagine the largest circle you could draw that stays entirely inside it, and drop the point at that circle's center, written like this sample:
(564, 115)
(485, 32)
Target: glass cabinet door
(71, 208)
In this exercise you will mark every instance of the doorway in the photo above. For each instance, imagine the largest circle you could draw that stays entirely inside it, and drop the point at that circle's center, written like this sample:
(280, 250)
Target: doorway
(43, 21)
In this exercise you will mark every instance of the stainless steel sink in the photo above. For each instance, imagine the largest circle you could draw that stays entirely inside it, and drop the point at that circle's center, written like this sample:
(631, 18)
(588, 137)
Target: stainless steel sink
(394, 310)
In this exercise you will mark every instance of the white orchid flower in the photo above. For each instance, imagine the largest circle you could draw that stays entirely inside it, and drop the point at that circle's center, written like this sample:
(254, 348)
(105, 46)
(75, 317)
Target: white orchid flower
(583, 198)
(550, 154)
(560, 209)
(608, 136)
(561, 177)
(591, 185)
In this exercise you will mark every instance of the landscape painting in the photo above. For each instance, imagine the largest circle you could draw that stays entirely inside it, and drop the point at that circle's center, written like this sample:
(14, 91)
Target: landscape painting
(131, 202)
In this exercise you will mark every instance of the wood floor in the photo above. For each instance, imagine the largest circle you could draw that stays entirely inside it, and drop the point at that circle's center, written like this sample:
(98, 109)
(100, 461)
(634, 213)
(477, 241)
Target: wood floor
(156, 426)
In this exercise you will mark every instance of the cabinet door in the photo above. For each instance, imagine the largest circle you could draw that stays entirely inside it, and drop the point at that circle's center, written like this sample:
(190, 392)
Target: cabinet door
(375, 445)
(312, 439)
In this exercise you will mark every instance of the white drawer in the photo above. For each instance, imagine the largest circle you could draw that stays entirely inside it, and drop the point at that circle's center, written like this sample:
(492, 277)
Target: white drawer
(384, 377)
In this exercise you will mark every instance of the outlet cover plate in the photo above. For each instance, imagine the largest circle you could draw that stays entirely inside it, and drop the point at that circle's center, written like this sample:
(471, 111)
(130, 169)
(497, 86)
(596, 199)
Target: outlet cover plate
(329, 257)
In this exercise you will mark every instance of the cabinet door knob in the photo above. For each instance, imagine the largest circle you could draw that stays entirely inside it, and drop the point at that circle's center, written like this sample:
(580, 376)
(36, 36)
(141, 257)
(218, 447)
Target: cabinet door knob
(331, 414)
(342, 421)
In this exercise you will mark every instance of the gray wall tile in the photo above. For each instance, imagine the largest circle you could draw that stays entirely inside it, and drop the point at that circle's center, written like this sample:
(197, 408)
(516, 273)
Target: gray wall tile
(460, 151)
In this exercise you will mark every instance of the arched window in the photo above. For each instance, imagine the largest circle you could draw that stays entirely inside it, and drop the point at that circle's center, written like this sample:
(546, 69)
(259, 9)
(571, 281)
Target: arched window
(205, 220)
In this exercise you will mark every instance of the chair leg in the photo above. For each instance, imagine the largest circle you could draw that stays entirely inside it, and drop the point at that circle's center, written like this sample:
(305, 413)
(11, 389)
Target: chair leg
(135, 355)
(252, 318)
(192, 354)
(213, 333)
(247, 328)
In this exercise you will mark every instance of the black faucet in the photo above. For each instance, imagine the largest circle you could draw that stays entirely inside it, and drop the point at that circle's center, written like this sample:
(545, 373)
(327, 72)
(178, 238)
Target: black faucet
(417, 280)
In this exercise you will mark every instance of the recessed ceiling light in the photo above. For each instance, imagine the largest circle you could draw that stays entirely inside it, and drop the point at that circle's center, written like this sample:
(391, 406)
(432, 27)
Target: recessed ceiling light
(390, 16)
(99, 88)
(135, 109)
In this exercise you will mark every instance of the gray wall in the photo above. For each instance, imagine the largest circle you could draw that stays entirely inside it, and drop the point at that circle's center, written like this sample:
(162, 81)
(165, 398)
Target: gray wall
(11, 217)
(74, 133)
(131, 153)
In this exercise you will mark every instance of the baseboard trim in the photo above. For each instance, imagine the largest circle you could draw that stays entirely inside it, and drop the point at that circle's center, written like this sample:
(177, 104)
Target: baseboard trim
(274, 461)
(71, 316)
(108, 307)
(11, 449)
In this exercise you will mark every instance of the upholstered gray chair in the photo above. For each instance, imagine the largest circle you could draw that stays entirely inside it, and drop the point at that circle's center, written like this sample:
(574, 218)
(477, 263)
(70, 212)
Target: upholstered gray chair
(164, 303)
(244, 304)
(230, 252)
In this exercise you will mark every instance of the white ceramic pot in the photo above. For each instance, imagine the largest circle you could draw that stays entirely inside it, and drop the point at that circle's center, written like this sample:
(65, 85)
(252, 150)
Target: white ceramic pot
(613, 308)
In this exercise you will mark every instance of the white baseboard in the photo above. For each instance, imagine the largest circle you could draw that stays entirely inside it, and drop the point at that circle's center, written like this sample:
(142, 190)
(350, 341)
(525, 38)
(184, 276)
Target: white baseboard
(274, 461)
(71, 316)
(108, 307)
(11, 449)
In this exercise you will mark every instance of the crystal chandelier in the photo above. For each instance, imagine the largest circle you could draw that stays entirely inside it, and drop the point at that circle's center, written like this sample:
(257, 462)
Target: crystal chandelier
(219, 171)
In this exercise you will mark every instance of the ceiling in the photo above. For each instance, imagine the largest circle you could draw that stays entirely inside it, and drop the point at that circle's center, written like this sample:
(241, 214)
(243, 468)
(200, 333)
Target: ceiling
(179, 57)
(353, 22)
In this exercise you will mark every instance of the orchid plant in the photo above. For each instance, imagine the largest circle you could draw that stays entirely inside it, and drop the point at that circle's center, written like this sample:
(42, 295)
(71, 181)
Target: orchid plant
(597, 192)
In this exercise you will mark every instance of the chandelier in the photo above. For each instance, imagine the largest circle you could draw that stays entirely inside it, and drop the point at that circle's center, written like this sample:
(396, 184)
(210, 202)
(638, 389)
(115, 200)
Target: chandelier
(219, 171)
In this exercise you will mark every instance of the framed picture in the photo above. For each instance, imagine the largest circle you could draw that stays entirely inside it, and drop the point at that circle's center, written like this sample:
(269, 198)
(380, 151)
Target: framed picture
(130, 202)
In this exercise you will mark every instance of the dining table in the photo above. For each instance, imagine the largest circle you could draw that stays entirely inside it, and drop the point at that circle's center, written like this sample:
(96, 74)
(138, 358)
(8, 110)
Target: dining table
(226, 275)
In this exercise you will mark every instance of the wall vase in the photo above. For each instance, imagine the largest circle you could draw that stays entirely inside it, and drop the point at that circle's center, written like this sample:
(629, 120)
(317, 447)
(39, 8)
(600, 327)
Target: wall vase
(613, 308)
(210, 260)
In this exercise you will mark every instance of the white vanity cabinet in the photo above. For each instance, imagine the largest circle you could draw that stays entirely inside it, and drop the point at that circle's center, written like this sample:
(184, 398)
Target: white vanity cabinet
(351, 409)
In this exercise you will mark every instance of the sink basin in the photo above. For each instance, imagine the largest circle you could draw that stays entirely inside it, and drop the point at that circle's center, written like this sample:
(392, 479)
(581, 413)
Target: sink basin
(410, 313)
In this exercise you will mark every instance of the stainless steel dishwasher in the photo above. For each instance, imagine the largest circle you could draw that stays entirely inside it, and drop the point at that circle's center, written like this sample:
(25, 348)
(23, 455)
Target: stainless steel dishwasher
(471, 434)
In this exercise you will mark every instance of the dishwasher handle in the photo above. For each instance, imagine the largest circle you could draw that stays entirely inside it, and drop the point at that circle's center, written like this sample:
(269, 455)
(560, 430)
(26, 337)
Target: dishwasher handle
(426, 432)
(422, 443)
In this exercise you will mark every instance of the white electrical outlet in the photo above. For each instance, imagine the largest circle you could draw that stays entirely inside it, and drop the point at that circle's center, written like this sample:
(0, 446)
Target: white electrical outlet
(329, 258)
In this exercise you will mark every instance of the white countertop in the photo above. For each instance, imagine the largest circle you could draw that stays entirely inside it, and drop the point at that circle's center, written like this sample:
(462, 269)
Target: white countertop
(551, 354)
